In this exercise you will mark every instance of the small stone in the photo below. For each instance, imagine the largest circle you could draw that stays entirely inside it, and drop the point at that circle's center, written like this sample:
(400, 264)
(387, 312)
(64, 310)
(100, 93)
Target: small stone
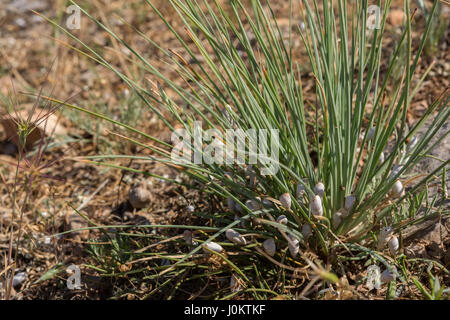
(270, 246)
(139, 197)
(19, 278)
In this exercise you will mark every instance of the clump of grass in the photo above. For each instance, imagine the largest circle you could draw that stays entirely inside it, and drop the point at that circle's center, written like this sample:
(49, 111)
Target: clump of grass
(340, 182)
(437, 30)
(30, 167)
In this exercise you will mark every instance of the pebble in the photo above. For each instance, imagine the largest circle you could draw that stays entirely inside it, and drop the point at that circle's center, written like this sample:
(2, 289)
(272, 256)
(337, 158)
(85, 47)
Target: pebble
(139, 197)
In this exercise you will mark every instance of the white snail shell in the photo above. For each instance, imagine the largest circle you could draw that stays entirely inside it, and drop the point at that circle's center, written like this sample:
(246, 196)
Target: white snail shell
(393, 245)
(231, 204)
(187, 235)
(337, 219)
(387, 276)
(397, 189)
(319, 189)
(412, 143)
(253, 204)
(285, 200)
(19, 278)
(349, 202)
(267, 203)
(293, 246)
(371, 133)
(212, 246)
(139, 197)
(306, 231)
(300, 190)
(249, 205)
(282, 219)
(381, 160)
(235, 237)
(270, 246)
(316, 206)
(384, 236)
(190, 208)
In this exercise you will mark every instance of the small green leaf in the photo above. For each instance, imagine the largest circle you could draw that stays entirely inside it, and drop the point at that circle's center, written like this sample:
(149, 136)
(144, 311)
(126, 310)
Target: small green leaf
(50, 274)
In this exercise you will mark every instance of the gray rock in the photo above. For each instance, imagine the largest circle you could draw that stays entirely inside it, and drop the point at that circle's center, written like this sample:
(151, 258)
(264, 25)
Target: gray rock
(139, 197)
(430, 231)
(440, 151)
(19, 278)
